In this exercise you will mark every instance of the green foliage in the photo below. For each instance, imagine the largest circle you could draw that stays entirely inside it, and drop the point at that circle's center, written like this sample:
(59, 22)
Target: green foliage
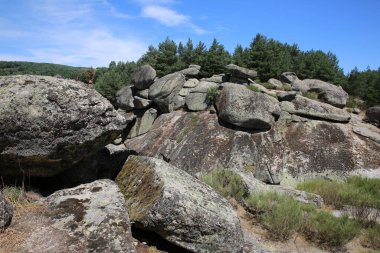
(212, 94)
(372, 237)
(280, 214)
(215, 59)
(15, 195)
(268, 85)
(330, 231)
(287, 87)
(227, 183)
(311, 94)
(354, 102)
(361, 195)
(253, 88)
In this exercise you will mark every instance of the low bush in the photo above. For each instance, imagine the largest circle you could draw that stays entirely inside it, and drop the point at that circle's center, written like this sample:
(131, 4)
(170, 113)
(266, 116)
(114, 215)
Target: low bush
(280, 214)
(212, 94)
(227, 183)
(353, 102)
(311, 95)
(253, 88)
(15, 195)
(287, 87)
(329, 231)
(268, 85)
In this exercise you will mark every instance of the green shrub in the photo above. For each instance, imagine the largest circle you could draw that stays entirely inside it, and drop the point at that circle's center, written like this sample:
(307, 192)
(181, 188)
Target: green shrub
(353, 102)
(287, 87)
(329, 231)
(330, 191)
(253, 88)
(311, 95)
(15, 195)
(371, 237)
(268, 85)
(227, 183)
(280, 214)
(212, 94)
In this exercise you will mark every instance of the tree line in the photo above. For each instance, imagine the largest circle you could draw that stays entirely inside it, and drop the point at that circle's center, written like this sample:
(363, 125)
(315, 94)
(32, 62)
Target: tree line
(267, 56)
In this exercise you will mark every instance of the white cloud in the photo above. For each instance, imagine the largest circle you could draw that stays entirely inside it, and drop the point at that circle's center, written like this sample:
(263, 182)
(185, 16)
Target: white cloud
(164, 15)
(148, 2)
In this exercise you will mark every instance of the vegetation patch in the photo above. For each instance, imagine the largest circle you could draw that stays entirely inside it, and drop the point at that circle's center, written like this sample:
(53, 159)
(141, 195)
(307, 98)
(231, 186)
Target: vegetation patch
(311, 94)
(354, 102)
(212, 95)
(287, 87)
(371, 238)
(227, 183)
(253, 88)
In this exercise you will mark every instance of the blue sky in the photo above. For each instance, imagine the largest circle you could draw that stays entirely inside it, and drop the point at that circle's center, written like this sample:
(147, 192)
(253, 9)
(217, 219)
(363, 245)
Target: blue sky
(94, 32)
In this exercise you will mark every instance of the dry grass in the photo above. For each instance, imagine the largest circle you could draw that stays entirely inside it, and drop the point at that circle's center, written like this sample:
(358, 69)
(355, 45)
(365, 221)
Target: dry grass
(25, 207)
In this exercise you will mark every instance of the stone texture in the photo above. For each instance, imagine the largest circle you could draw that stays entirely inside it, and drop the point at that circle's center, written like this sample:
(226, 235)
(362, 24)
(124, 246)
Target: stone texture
(197, 99)
(195, 66)
(178, 207)
(143, 77)
(288, 77)
(286, 95)
(143, 93)
(141, 103)
(191, 83)
(143, 124)
(373, 115)
(95, 215)
(164, 91)
(124, 98)
(240, 72)
(310, 108)
(47, 124)
(197, 143)
(6, 212)
(328, 93)
(221, 78)
(190, 72)
(276, 83)
(242, 107)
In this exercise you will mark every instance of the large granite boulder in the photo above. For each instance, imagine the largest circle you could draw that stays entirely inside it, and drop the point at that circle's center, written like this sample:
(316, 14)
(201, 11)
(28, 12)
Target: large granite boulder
(328, 93)
(47, 124)
(190, 72)
(143, 77)
(144, 123)
(240, 72)
(93, 216)
(310, 108)
(124, 98)
(196, 100)
(373, 115)
(178, 207)
(288, 77)
(197, 143)
(242, 107)
(277, 84)
(6, 212)
(164, 91)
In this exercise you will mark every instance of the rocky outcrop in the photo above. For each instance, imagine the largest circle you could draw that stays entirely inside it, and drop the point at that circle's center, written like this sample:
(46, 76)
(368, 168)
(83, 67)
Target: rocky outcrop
(242, 107)
(6, 212)
(277, 84)
(143, 77)
(190, 72)
(221, 78)
(310, 108)
(143, 124)
(196, 100)
(197, 143)
(48, 124)
(327, 92)
(286, 95)
(178, 207)
(95, 215)
(288, 77)
(124, 98)
(240, 72)
(373, 115)
(164, 91)
(141, 103)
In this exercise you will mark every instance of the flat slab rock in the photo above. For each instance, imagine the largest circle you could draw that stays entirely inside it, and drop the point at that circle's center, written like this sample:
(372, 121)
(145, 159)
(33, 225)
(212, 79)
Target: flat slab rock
(48, 123)
(94, 215)
(178, 207)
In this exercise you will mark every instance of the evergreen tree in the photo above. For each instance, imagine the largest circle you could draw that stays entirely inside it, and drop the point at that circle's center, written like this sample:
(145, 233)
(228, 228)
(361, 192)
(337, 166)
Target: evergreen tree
(215, 59)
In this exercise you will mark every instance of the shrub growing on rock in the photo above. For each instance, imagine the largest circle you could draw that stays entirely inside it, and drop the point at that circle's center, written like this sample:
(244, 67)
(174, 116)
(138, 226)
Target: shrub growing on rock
(212, 94)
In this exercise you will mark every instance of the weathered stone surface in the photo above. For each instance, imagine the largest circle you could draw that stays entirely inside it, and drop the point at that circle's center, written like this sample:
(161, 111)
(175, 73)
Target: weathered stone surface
(191, 83)
(143, 77)
(197, 143)
(373, 115)
(164, 91)
(190, 72)
(242, 107)
(221, 78)
(310, 108)
(179, 102)
(47, 124)
(263, 89)
(178, 207)
(366, 131)
(95, 215)
(197, 99)
(286, 95)
(124, 98)
(6, 212)
(276, 83)
(240, 72)
(288, 77)
(141, 103)
(195, 66)
(143, 93)
(143, 124)
(184, 92)
(328, 93)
